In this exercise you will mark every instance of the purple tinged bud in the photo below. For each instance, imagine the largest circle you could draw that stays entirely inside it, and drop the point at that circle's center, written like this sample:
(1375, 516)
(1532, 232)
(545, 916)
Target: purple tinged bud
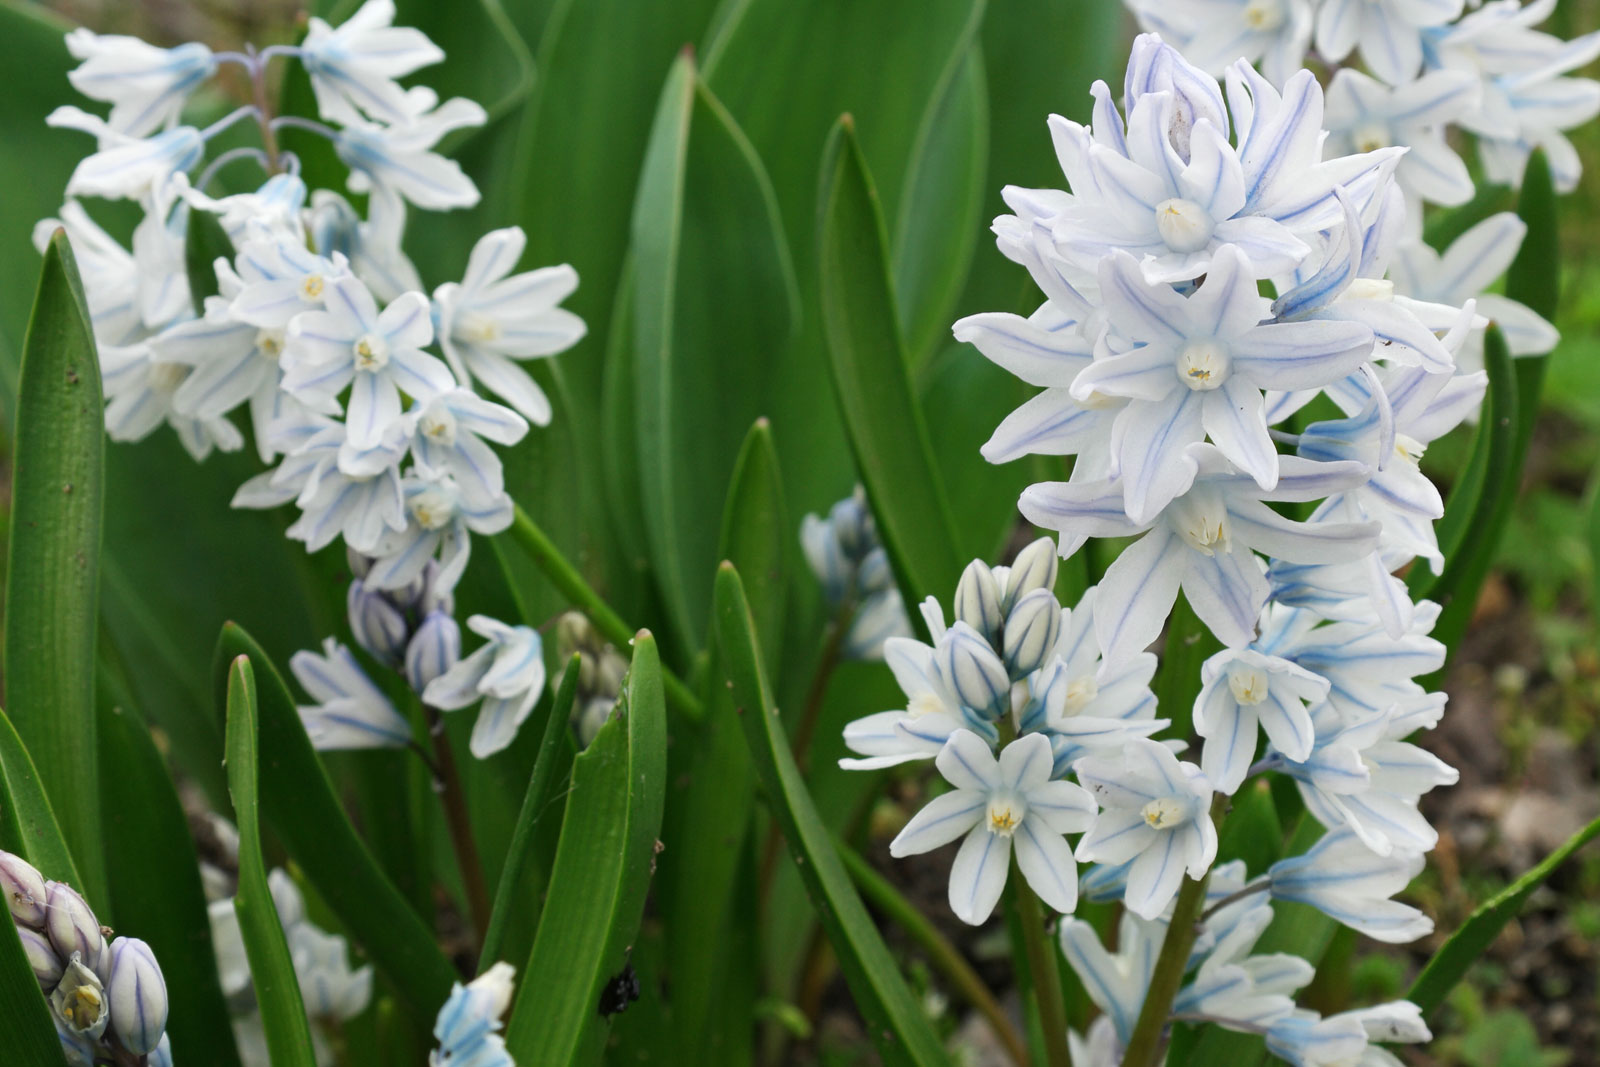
(138, 996)
(72, 926)
(47, 966)
(1031, 632)
(977, 601)
(162, 1056)
(1034, 568)
(434, 649)
(376, 623)
(24, 890)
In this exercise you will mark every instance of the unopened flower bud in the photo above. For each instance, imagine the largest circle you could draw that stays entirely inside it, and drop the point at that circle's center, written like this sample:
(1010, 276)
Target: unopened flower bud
(1031, 632)
(977, 601)
(137, 994)
(24, 890)
(1034, 568)
(376, 623)
(434, 649)
(972, 671)
(72, 927)
(574, 633)
(81, 1000)
(286, 898)
(852, 525)
(875, 574)
(358, 563)
(47, 966)
(612, 669)
(162, 1056)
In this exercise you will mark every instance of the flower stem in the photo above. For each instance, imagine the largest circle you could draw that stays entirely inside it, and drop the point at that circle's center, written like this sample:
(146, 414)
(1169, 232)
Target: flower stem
(1249, 890)
(1042, 968)
(461, 838)
(565, 577)
(258, 88)
(832, 653)
(1149, 1038)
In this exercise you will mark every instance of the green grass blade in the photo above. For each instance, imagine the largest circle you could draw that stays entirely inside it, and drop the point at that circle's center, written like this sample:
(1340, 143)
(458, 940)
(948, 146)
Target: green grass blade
(28, 826)
(299, 806)
(602, 871)
(709, 819)
(894, 1018)
(872, 381)
(155, 882)
(1462, 950)
(283, 1013)
(713, 290)
(52, 568)
(551, 766)
(30, 1036)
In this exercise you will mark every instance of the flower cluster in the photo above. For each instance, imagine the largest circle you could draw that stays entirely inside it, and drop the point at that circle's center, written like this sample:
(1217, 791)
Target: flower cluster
(846, 556)
(601, 670)
(107, 996)
(316, 324)
(1169, 376)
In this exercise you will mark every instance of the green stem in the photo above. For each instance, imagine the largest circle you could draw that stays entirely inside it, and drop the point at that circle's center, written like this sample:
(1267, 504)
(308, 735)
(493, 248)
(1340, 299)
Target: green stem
(565, 577)
(1046, 978)
(940, 952)
(1149, 1033)
(461, 836)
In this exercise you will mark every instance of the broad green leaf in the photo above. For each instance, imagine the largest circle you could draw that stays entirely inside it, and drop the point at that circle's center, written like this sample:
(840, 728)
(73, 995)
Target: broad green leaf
(872, 381)
(1467, 944)
(713, 295)
(35, 162)
(155, 882)
(298, 804)
(283, 1013)
(894, 1017)
(52, 567)
(24, 1018)
(599, 879)
(550, 768)
(28, 826)
(1471, 536)
(709, 805)
(204, 242)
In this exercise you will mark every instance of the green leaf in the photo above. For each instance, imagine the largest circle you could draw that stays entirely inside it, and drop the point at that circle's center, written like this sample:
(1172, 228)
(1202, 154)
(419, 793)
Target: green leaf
(204, 242)
(1189, 644)
(52, 568)
(709, 807)
(1473, 524)
(24, 1017)
(894, 1018)
(299, 806)
(156, 893)
(713, 293)
(872, 382)
(28, 826)
(939, 220)
(602, 870)
(551, 766)
(1467, 944)
(283, 1013)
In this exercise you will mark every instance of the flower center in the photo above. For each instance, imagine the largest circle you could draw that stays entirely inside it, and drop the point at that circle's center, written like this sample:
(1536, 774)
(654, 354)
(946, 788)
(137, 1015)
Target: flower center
(439, 426)
(1099, 401)
(1249, 684)
(1080, 692)
(270, 343)
(1263, 15)
(1184, 225)
(1371, 137)
(166, 377)
(1005, 814)
(432, 509)
(82, 1007)
(1204, 365)
(1163, 813)
(1409, 448)
(924, 704)
(477, 328)
(1201, 521)
(1370, 289)
(311, 287)
(372, 352)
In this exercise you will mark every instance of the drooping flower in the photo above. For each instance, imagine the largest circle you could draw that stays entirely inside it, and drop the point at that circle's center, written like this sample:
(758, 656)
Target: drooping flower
(1345, 880)
(1388, 33)
(353, 67)
(400, 161)
(469, 1022)
(351, 711)
(507, 674)
(1243, 690)
(146, 86)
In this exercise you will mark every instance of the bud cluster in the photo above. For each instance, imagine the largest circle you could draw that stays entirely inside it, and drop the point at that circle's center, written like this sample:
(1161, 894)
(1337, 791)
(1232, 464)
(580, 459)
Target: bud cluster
(107, 996)
(601, 669)
(844, 552)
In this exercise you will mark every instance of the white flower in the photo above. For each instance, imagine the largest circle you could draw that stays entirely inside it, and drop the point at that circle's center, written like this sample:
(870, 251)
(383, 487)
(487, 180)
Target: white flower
(1364, 114)
(372, 246)
(351, 712)
(146, 86)
(127, 167)
(844, 554)
(439, 517)
(331, 989)
(998, 805)
(1204, 543)
(469, 1021)
(353, 68)
(1388, 32)
(1155, 812)
(507, 673)
(379, 355)
(1116, 982)
(400, 160)
(490, 320)
(139, 392)
(279, 278)
(333, 503)
(1345, 880)
(1243, 690)
(109, 272)
(1212, 34)
(272, 211)
(447, 432)
(1464, 271)
(1344, 1040)
(1194, 368)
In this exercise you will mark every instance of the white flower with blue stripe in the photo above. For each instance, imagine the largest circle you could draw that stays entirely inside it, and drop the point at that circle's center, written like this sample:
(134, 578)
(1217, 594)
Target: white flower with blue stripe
(469, 1022)
(507, 674)
(350, 710)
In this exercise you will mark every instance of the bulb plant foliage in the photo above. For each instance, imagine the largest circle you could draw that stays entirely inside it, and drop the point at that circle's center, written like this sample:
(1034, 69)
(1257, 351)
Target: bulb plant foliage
(1242, 346)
